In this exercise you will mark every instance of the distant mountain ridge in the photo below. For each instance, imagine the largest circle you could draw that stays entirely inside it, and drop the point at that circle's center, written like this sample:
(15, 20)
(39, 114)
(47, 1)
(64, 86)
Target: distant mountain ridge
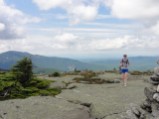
(41, 63)
(142, 63)
(49, 64)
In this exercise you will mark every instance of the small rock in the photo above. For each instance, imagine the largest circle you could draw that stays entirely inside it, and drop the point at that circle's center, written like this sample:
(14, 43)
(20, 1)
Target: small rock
(154, 80)
(130, 115)
(116, 80)
(156, 71)
(156, 97)
(17, 107)
(155, 110)
(135, 111)
(158, 88)
(149, 93)
(146, 106)
(71, 86)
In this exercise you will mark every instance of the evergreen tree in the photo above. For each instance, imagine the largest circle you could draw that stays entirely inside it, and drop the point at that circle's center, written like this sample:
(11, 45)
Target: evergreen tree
(23, 70)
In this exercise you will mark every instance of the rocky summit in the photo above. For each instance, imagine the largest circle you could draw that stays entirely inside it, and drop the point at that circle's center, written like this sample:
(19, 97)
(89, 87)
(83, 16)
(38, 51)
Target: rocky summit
(149, 109)
(82, 100)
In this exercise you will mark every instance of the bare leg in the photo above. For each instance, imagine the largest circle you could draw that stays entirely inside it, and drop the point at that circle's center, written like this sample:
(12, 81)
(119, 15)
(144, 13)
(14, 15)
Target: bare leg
(125, 79)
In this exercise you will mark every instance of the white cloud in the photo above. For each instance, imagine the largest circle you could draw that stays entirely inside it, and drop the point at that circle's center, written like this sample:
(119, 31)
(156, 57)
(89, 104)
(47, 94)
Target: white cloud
(107, 44)
(78, 11)
(2, 27)
(64, 41)
(126, 43)
(93, 37)
(46, 5)
(134, 9)
(67, 43)
(65, 37)
(2, 2)
(82, 12)
(154, 29)
(88, 9)
(13, 21)
(142, 11)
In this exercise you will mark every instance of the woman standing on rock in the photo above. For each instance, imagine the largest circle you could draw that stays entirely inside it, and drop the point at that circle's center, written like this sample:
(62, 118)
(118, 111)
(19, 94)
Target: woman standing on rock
(124, 63)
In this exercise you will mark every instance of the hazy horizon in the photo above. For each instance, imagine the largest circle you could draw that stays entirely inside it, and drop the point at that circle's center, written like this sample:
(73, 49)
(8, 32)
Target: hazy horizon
(86, 58)
(80, 29)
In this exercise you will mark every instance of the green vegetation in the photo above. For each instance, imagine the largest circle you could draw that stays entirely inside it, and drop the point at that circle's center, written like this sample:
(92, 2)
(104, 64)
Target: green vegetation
(75, 72)
(55, 74)
(23, 71)
(112, 71)
(91, 77)
(88, 74)
(141, 72)
(90, 80)
(20, 82)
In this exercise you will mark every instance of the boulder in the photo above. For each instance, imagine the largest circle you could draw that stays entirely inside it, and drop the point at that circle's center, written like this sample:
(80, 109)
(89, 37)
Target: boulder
(156, 97)
(149, 93)
(156, 71)
(155, 110)
(151, 105)
(154, 80)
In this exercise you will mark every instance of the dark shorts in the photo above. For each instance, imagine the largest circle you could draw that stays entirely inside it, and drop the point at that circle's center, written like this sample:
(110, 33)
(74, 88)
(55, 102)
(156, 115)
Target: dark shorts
(123, 71)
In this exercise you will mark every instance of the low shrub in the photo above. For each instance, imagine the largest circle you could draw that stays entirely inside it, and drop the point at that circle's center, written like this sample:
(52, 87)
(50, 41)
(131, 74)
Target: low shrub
(43, 84)
(141, 73)
(55, 74)
(88, 74)
(89, 80)
(11, 89)
(21, 83)
(136, 73)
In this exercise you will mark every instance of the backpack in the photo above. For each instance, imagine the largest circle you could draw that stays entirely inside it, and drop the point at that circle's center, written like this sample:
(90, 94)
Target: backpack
(124, 62)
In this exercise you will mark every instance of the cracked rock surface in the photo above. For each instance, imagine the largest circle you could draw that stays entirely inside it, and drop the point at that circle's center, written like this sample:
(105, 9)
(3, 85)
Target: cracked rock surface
(43, 108)
(109, 100)
(85, 101)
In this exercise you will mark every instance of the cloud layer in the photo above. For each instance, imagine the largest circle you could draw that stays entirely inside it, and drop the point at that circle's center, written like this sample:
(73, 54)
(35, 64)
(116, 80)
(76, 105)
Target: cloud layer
(89, 31)
(143, 11)
(70, 43)
(12, 21)
(81, 10)
(134, 9)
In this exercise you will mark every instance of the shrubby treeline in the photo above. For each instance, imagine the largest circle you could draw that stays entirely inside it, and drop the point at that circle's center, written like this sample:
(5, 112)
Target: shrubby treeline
(20, 82)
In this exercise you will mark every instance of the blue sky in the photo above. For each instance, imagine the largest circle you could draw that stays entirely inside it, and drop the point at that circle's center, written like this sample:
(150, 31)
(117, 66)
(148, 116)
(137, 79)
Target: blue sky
(80, 29)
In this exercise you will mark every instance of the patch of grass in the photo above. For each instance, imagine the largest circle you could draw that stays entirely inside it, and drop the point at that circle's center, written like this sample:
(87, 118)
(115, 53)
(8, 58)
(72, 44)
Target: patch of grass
(51, 92)
(90, 80)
